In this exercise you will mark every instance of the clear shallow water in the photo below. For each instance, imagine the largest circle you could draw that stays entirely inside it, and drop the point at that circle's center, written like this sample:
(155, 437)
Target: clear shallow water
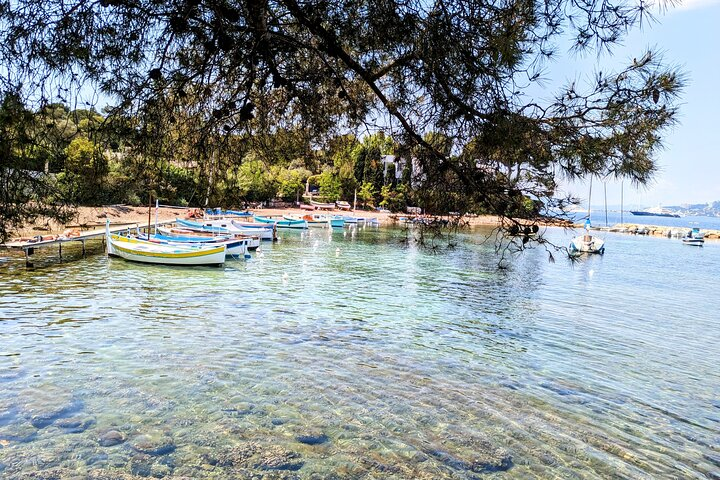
(355, 356)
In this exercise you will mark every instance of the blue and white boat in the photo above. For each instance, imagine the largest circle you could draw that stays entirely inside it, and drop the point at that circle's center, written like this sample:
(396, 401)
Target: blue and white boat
(347, 219)
(586, 244)
(225, 226)
(694, 237)
(234, 246)
(148, 252)
(219, 212)
(283, 223)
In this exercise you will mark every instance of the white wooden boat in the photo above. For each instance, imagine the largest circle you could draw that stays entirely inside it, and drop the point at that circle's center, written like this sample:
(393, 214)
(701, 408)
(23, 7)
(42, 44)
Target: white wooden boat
(235, 247)
(343, 205)
(586, 244)
(694, 237)
(282, 222)
(230, 226)
(322, 206)
(313, 221)
(147, 252)
(347, 219)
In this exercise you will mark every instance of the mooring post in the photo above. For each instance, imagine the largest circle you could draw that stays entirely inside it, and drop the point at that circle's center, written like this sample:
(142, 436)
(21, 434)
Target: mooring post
(83, 248)
(28, 252)
(60, 249)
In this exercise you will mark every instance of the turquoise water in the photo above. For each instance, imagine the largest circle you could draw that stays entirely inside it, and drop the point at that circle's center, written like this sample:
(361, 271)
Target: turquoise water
(358, 355)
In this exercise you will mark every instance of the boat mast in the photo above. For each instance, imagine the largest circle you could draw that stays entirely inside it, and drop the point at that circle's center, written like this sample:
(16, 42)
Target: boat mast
(589, 197)
(605, 190)
(621, 202)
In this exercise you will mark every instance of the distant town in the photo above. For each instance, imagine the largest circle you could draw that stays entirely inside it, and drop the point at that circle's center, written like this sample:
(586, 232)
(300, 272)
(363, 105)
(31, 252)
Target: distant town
(696, 209)
(711, 209)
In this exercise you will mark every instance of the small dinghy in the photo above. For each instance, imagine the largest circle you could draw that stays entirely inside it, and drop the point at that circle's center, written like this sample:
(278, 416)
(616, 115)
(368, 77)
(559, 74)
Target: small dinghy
(586, 244)
(694, 237)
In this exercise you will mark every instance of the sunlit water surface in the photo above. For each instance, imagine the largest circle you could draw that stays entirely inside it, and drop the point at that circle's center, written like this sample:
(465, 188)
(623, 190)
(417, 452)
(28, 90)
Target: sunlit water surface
(355, 355)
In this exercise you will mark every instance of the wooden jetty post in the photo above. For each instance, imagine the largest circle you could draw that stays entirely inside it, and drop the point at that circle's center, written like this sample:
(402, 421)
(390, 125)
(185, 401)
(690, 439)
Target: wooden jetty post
(29, 246)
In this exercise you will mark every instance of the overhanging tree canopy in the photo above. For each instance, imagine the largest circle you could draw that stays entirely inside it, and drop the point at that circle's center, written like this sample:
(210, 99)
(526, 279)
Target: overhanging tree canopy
(461, 69)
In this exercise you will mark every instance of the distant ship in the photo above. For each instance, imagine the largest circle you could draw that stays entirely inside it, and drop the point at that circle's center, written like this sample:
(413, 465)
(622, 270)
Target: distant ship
(655, 212)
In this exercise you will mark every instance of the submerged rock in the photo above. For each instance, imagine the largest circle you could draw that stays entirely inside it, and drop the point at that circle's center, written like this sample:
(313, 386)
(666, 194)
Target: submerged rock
(312, 437)
(111, 438)
(22, 432)
(97, 458)
(240, 409)
(141, 465)
(253, 455)
(153, 443)
(42, 407)
(75, 424)
(500, 461)
(278, 458)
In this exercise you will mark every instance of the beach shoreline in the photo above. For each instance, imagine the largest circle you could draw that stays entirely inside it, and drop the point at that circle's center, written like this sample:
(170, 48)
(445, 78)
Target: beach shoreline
(92, 218)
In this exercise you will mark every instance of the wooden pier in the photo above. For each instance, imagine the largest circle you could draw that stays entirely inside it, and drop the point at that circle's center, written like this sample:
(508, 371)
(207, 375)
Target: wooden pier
(30, 246)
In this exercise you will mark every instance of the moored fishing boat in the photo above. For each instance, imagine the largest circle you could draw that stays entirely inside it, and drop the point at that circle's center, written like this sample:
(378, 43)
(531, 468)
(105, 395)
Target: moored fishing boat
(322, 206)
(586, 244)
(283, 223)
(219, 212)
(315, 221)
(234, 246)
(694, 237)
(148, 252)
(263, 232)
(347, 219)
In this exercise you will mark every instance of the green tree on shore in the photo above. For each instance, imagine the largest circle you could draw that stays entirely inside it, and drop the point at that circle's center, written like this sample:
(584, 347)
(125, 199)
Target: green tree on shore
(248, 70)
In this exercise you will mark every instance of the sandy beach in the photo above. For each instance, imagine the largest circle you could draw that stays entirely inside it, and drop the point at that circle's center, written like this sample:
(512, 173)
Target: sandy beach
(92, 218)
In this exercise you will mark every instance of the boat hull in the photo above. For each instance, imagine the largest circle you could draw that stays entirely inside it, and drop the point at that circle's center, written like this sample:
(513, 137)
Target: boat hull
(234, 246)
(322, 206)
(147, 252)
(282, 223)
(651, 214)
(699, 242)
(232, 227)
(581, 244)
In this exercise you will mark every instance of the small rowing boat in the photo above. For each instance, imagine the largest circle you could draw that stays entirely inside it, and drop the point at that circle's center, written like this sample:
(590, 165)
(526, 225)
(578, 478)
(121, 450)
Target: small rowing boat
(283, 223)
(225, 226)
(234, 246)
(586, 244)
(322, 206)
(316, 221)
(694, 237)
(148, 252)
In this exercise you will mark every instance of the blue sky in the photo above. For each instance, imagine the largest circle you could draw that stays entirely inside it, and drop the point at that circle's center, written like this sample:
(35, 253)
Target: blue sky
(688, 36)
